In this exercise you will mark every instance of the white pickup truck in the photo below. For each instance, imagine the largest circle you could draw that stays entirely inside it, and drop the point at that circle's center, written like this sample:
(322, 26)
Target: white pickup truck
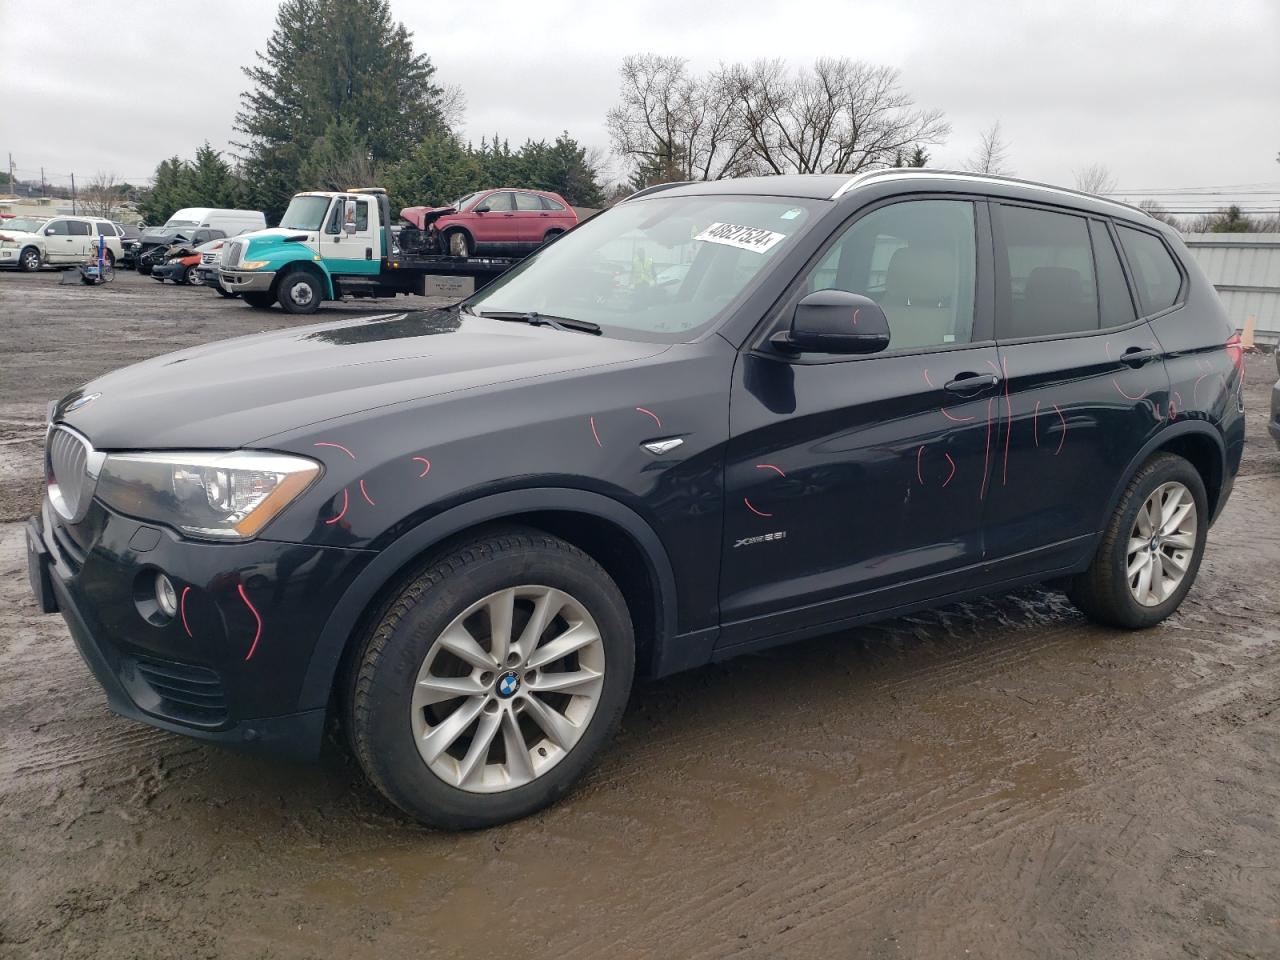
(29, 243)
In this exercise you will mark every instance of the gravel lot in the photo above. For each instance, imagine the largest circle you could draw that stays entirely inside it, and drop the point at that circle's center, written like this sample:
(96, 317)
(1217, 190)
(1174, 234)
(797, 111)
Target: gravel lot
(995, 779)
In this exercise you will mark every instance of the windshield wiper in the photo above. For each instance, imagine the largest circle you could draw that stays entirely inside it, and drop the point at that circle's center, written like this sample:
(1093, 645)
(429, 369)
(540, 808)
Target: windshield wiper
(535, 319)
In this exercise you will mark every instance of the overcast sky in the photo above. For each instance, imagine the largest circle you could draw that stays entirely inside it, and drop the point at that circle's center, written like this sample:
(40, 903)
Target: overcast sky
(1166, 94)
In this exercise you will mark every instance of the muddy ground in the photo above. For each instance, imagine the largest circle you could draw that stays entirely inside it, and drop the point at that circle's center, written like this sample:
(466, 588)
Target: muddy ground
(995, 779)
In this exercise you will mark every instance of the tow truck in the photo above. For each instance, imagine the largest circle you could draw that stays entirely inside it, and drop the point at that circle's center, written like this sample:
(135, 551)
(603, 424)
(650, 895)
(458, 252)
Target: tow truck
(332, 245)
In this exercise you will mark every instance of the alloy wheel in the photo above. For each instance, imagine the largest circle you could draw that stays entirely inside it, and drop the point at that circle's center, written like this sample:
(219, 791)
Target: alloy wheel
(1161, 544)
(508, 689)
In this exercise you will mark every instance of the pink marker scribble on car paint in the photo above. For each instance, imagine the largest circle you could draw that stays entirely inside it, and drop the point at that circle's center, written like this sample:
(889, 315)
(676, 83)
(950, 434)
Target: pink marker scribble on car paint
(650, 413)
(919, 473)
(426, 466)
(952, 417)
(1141, 396)
(595, 433)
(343, 512)
(1062, 439)
(927, 380)
(257, 634)
(336, 446)
(365, 493)
(986, 454)
(770, 466)
(182, 609)
(952, 474)
(758, 513)
(857, 310)
(1035, 424)
(1175, 402)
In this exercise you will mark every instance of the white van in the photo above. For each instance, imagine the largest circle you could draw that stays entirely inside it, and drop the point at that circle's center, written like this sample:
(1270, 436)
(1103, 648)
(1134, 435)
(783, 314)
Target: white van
(230, 222)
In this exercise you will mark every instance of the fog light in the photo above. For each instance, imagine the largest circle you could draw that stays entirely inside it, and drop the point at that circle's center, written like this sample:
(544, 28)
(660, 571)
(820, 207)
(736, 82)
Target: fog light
(166, 595)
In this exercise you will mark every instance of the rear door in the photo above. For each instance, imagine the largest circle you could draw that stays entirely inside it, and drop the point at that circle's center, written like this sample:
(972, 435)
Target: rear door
(1084, 383)
(82, 239)
(854, 484)
(531, 218)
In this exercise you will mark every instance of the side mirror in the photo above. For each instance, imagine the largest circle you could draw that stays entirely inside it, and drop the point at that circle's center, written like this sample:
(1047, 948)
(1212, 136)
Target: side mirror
(349, 217)
(483, 208)
(836, 321)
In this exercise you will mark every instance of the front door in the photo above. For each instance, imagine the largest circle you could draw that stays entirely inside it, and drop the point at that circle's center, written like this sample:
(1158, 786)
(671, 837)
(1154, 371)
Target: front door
(854, 484)
(498, 225)
(60, 246)
(352, 254)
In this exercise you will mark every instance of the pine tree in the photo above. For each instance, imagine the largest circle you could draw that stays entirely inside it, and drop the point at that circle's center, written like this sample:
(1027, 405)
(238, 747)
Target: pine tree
(332, 61)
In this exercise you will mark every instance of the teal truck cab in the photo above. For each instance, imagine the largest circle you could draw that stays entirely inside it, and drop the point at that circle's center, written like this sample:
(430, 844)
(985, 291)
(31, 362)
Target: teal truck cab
(334, 245)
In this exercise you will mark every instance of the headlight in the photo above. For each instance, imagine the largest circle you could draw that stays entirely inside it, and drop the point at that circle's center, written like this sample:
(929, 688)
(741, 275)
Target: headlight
(253, 264)
(8, 243)
(215, 496)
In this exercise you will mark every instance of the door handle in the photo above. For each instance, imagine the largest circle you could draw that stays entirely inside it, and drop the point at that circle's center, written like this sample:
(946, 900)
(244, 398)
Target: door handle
(967, 383)
(1137, 356)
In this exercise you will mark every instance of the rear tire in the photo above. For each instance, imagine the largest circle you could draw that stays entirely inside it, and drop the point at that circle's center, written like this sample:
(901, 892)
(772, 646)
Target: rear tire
(537, 741)
(299, 291)
(1136, 558)
(259, 300)
(551, 235)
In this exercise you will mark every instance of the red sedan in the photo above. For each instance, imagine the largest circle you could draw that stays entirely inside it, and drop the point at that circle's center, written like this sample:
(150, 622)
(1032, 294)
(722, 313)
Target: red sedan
(505, 220)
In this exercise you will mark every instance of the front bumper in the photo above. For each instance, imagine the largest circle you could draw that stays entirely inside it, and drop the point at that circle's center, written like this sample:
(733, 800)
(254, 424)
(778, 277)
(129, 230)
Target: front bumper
(229, 667)
(168, 271)
(207, 274)
(9, 256)
(247, 281)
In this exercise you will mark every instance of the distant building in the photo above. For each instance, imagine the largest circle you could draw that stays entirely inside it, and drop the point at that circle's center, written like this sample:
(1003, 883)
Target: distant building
(1245, 270)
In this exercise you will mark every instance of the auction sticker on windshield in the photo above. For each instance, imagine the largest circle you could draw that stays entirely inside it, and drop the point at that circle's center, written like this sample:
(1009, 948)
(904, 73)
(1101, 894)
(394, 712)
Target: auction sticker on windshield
(744, 238)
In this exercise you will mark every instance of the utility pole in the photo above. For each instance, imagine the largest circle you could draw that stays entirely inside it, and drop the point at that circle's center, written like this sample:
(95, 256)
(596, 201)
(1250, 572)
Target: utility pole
(73, 194)
(42, 181)
(11, 175)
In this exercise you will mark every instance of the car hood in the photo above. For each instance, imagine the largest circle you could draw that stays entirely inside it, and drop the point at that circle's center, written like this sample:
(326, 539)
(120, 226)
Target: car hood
(235, 392)
(422, 217)
(15, 234)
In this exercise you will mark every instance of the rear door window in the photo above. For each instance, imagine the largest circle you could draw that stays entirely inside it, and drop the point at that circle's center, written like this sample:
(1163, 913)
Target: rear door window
(1113, 292)
(1048, 283)
(1155, 274)
(79, 228)
(527, 202)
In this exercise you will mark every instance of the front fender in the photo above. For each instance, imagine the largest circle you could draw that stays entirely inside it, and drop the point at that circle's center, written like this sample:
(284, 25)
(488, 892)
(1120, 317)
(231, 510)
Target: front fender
(332, 643)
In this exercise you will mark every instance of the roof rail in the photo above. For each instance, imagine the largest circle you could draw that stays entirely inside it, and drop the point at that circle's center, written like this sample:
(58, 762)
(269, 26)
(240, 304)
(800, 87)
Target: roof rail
(892, 173)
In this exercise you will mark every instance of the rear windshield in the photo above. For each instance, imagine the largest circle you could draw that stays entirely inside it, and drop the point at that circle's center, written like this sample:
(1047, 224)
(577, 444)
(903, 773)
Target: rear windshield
(661, 269)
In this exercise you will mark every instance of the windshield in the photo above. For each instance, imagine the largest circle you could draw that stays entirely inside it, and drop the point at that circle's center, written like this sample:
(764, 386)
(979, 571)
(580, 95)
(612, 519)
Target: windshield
(660, 269)
(180, 223)
(305, 213)
(462, 202)
(159, 233)
(23, 224)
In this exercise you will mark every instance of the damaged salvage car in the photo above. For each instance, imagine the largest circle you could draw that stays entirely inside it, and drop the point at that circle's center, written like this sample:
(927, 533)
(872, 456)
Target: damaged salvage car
(503, 221)
(716, 418)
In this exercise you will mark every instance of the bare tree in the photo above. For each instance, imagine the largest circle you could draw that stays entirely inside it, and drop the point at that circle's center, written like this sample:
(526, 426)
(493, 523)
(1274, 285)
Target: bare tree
(1153, 208)
(672, 123)
(1096, 178)
(102, 197)
(992, 153)
(841, 116)
(452, 105)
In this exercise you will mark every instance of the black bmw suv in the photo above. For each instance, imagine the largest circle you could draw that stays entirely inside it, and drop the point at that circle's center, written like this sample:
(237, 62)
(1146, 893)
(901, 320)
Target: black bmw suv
(718, 417)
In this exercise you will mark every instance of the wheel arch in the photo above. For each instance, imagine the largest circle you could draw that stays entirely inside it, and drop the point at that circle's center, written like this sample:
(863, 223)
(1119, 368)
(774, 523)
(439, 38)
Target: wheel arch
(40, 254)
(1197, 442)
(326, 282)
(611, 533)
(453, 228)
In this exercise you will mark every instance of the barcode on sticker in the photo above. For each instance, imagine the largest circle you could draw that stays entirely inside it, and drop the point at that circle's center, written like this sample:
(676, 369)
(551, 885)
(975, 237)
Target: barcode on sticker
(744, 238)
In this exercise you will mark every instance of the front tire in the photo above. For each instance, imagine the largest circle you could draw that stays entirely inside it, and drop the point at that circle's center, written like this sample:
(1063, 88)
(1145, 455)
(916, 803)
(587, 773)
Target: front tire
(259, 300)
(491, 680)
(1150, 550)
(29, 260)
(189, 277)
(299, 291)
(223, 291)
(458, 244)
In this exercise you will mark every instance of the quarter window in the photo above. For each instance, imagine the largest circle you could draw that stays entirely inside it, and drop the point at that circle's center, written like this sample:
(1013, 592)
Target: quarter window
(550, 204)
(106, 230)
(1155, 274)
(916, 259)
(1049, 285)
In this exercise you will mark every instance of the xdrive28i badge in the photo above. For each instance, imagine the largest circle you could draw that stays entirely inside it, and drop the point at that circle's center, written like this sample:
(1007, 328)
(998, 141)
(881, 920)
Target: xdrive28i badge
(762, 538)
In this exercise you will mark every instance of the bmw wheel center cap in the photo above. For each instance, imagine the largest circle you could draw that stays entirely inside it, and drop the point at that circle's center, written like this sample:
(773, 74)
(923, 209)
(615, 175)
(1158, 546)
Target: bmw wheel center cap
(508, 684)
